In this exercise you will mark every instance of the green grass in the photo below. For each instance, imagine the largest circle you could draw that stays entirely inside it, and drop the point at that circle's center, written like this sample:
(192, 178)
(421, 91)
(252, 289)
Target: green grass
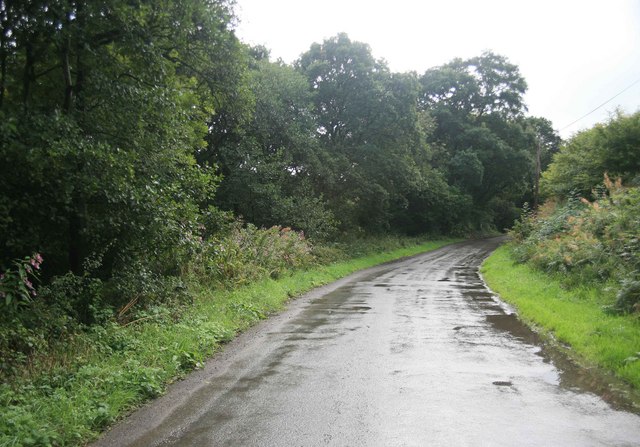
(574, 317)
(68, 397)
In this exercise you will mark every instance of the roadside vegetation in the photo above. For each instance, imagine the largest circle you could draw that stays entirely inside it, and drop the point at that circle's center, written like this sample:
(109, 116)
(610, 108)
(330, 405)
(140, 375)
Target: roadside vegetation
(90, 376)
(573, 266)
(146, 149)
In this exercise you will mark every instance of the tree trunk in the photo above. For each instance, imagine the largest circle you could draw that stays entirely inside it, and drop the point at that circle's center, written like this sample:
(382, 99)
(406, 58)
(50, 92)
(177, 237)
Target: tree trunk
(66, 72)
(27, 75)
(79, 84)
(73, 39)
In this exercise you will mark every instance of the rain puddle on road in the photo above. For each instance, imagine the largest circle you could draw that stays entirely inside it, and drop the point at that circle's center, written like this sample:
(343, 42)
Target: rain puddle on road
(567, 374)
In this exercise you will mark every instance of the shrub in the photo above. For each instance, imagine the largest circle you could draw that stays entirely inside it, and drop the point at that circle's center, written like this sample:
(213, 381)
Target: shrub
(16, 283)
(628, 297)
(20, 313)
(136, 290)
(247, 253)
(587, 242)
(79, 297)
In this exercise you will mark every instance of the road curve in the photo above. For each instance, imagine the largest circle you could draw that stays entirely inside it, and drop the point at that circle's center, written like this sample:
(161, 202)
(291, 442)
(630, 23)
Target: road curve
(412, 353)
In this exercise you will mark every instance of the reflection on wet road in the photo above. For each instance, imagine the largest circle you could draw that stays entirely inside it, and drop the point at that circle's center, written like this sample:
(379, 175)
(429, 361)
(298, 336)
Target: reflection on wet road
(413, 353)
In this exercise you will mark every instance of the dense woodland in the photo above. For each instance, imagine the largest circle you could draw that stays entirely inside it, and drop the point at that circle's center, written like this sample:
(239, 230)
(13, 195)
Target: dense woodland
(137, 135)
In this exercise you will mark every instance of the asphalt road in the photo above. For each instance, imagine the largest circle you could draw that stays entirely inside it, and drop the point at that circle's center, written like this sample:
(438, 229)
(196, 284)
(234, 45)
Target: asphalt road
(413, 353)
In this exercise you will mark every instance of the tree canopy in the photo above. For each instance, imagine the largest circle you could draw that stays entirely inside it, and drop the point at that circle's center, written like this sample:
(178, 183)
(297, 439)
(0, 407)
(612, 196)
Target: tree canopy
(103, 107)
(484, 143)
(132, 130)
(610, 148)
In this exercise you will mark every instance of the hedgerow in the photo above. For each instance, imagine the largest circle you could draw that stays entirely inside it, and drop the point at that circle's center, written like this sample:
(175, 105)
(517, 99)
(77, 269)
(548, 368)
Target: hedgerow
(588, 242)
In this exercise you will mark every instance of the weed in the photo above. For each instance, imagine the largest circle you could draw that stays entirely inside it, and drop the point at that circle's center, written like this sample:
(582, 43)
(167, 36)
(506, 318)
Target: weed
(587, 242)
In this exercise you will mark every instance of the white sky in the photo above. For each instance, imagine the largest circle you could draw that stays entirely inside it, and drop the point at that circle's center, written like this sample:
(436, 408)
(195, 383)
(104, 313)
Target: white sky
(575, 55)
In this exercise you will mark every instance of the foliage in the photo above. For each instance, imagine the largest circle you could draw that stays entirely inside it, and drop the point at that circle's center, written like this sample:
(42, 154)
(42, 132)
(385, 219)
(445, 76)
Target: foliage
(378, 174)
(484, 144)
(103, 127)
(267, 252)
(588, 242)
(149, 155)
(16, 286)
(486, 84)
(249, 253)
(610, 148)
(267, 155)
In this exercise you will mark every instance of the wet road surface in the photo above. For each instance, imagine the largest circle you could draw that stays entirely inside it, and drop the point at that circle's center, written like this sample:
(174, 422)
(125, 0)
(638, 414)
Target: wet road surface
(413, 353)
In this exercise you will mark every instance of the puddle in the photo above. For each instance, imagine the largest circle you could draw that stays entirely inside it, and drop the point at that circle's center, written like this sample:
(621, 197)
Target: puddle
(570, 375)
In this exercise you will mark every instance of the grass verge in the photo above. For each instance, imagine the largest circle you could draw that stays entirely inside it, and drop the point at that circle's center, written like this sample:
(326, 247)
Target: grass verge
(574, 317)
(107, 371)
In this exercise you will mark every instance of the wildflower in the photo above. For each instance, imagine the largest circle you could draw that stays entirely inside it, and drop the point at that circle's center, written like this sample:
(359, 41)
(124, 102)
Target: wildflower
(36, 260)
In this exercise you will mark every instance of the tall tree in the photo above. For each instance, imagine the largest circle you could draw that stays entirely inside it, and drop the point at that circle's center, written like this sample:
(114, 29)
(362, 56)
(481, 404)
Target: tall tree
(368, 121)
(486, 84)
(104, 104)
(478, 105)
(269, 157)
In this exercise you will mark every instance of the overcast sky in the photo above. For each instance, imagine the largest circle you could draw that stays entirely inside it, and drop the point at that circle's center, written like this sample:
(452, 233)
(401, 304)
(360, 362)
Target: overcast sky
(575, 55)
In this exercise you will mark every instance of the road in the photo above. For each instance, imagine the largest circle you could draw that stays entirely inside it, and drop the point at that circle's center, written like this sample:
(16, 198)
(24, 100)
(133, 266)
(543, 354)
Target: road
(412, 353)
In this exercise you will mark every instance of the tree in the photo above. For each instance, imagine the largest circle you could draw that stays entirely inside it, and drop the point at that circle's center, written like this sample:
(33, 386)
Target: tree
(271, 159)
(487, 84)
(105, 104)
(545, 142)
(369, 124)
(481, 144)
(582, 161)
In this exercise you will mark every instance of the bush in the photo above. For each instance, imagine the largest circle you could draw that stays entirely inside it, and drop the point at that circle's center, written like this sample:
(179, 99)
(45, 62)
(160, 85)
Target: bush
(628, 297)
(79, 297)
(587, 242)
(20, 314)
(248, 253)
(137, 292)
(16, 283)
